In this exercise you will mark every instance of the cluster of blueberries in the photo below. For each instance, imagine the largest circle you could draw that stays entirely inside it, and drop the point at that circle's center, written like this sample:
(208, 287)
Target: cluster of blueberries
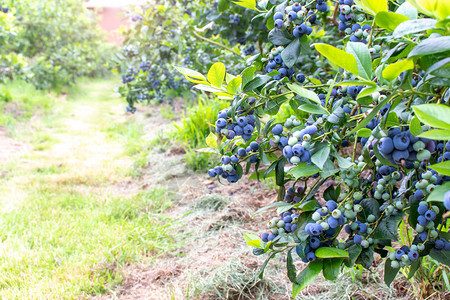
(350, 16)
(229, 163)
(129, 76)
(136, 18)
(244, 125)
(401, 147)
(286, 222)
(295, 146)
(299, 18)
(249, 50)
(276, 63)
(4, 9)
(234, 19)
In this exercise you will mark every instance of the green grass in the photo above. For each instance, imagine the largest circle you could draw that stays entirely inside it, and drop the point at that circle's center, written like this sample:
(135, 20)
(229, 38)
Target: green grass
(68, 220)
(20, 100)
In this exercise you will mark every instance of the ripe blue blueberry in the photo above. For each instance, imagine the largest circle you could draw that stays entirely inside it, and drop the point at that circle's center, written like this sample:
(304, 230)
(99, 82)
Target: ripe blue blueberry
(218, 170)
(271, 237)
(287, 152)
(430, 215)
(278, 59)
(362, 227)
(248, 129)
(300, 77)
(271, 64)
(225, 160)
(332, 222)
(310, 256)
(315, 229)
(221, 123)
(278, 16)
(292, 15)
(254, 146)
(413, 255)
(212, 173)
(233, 178)
(251, 120)
(242, 152)
(279, 24)
(242, 121)
(422, 209)
(399, 155)
(399, 253)
(401, 141)
(234, 159)
(386, 145)
(283, 141)
(331, 205)
(447, 200)
(314, 242)
(357, 239)
(277, 129)
(298, 150)
(439, 244)
(296, 7)
(265, 237)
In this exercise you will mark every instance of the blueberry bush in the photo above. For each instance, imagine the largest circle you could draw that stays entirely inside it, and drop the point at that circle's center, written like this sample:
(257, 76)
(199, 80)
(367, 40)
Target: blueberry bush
(362, 166)
(192, 34)
(54, 42)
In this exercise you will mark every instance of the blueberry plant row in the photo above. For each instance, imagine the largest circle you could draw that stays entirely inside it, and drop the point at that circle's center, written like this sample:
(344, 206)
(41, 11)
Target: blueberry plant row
(192, 34)
(368, 82)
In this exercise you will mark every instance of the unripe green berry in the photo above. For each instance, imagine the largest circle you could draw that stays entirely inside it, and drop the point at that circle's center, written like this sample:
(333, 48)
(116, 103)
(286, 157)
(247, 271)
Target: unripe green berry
(357, 208)
(371, 218)
(423, 154)
(357, 196)
(395, 264)
(280, 224)
(336, 214)
(365, 244)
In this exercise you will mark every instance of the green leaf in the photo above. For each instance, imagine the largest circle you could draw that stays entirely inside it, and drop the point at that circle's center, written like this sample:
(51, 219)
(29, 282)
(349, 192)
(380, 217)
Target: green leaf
(389, 20)
(291, 53)
(304, 92)
(372, 6)
(279, 37)
(320, 157)
(363, 58)
(328, 252)
(256, 82)
(437, 134)
(216, 74)
(338, 57)
(388, 228)
(364, 132)
(431, 46)
(414, 127)
(303, 170)
(389, 272)
(437, 195)
(414, 267)
(250, 4)
(434, 115)
(252, 240)
(342, 162)
(291, 271)
(367, 92)
(408, 10)
(314, 109)
(370, 207)
(192, 75)
(263, 267)
(234, 85)
(307, 276)
(365, 258)
(353, 251)
(442, 256)
(279, 172)
(247, 75)
(211, 140)
(392, 71)
(275, 204)
(413, 26)
(331, 268)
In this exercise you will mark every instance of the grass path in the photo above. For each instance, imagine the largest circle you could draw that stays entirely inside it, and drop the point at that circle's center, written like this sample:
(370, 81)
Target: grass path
(70, 216)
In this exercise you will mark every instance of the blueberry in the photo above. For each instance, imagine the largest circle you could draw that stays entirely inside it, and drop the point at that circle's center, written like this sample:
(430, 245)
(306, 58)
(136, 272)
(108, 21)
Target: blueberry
(212, 173)
(357, 239)
(251, 120)
(223, 114)
(314, 242)
(322, 7)
(399, 253)
(233, 178)
(399, 155)
(287, 152)
(231, 134)
(287, 227)
(292, 15)
(401, 141)
(278, 59)
(248, 129)
(283, 141)
(306, 157)
(439, 244)
(296, 7)
(287, 219)
(310, 256)
(331, 205)
(422, 209)
(242, 121)
(254, 146)
(413, 255)
(422, 221)
(242, 152)
(221, 123)
(355, 27)
(362, 227)
(447, 200)
(386, 145)
(225, 159)
(234, 159)
(315, 229)
(293, 227)
(332, 222)
(277, 129)
(279, 24)
(300, 77)
(278, 16)
(271, 237)
(311, 130)
(430, 215)
(265, 237)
